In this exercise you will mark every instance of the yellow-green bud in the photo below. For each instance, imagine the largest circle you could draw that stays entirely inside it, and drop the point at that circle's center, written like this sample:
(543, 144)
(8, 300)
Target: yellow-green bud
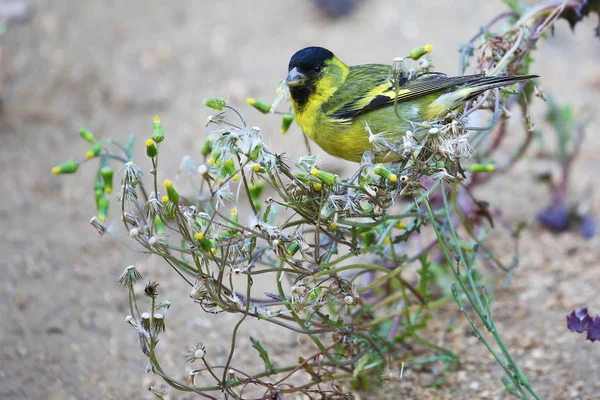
(481, 168)
(95, 150)
(205, 243)
(206, 148)
(419, 52)
(286, 121)
(367, 238)
(103, 204)
(107, 177)
(151, 150)
(98, 193)
(385, 173)
(234, 215)
(157, 131)
(302, 177)
(256, 190)
(261, 106)
(215, 104)
(228, 167)
(325, 177)
(317, 186)
(87, 135)
(158, 225)
(293, 248)
(68, 167)
(215, 154)
(255, 152)
(171, 192)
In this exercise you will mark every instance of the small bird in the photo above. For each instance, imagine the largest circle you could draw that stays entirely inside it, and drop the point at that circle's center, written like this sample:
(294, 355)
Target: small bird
(340, 108)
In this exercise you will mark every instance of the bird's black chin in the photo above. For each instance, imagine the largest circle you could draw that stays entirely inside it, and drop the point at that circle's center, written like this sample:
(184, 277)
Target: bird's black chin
(300, 95)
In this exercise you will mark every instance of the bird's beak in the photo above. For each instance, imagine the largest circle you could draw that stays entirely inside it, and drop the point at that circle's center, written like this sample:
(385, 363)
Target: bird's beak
(295, 78)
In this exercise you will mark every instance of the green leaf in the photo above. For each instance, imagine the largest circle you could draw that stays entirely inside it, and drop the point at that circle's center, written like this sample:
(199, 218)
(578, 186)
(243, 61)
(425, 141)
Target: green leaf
(367, 361)
(263, 354)
(425, 274)
(129, 146)
(516, 6)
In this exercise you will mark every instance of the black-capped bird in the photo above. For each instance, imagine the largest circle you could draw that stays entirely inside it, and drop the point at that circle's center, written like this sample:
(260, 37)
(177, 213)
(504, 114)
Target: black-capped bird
(343, 108)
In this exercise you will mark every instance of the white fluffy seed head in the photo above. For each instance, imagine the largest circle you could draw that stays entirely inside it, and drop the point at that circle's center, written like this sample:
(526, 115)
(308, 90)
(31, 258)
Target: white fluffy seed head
(199, 353)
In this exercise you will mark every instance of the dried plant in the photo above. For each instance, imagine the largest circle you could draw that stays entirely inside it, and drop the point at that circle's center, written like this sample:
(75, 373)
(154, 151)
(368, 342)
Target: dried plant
(335, 248)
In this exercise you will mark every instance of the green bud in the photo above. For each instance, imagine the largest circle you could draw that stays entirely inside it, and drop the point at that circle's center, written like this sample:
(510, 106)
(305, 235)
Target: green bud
(102, 205)
(261, 106)
(481, 168)
(419, 52)
(385, 173)
(325, 177)
(87, 135)
(215, 104)
(302, 177)
(293, 248)
(228, 167)
(158, 225)
(286, 121)
(205, 243)
(151, 150)
(94, 151)
(107, 177)
(256, 190)
(98, 193)
(206, 148)
(157, 131)
(215, 153)
(68, 167)
(171, 192)
(367, 238)
(234, 215)
(255, 152)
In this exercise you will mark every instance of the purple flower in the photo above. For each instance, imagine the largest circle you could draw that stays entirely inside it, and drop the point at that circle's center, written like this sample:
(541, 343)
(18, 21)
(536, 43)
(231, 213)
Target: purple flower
(578, 321)
(594, 330)
(555, 218)
(588, 227)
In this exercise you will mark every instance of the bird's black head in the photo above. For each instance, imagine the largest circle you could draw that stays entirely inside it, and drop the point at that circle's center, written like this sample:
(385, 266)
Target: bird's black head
(310, 60)
(305, 68)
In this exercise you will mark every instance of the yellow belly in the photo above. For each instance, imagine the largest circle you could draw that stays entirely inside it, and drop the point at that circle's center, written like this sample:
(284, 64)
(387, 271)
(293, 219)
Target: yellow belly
(350, 140)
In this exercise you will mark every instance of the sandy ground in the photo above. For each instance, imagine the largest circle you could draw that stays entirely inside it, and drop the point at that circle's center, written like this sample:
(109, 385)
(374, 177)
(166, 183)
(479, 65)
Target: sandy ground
(112, 65)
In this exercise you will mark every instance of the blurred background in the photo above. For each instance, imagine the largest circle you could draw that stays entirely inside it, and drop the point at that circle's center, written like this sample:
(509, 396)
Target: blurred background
(112, 65)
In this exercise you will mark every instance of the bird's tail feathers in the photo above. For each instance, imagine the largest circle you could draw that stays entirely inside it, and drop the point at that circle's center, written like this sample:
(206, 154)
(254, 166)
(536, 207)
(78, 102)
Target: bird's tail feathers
(478, 86)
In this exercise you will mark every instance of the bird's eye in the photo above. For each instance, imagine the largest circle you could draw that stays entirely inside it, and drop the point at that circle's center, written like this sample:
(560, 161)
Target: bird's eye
(317, 69)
